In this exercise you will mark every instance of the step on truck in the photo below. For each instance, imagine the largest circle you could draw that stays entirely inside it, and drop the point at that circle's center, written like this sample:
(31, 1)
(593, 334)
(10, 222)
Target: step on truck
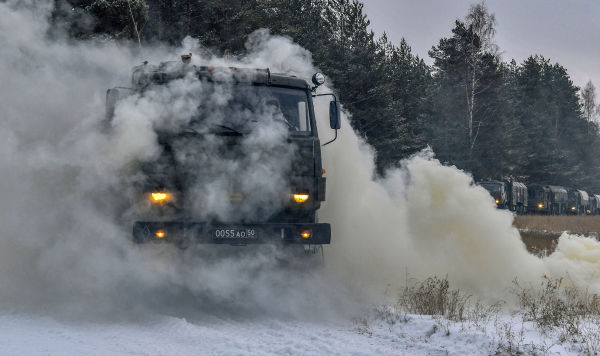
(165, 192)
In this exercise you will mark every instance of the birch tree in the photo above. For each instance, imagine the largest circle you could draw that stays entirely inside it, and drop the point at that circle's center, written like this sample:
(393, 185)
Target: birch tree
(481, 25)
(588, 103)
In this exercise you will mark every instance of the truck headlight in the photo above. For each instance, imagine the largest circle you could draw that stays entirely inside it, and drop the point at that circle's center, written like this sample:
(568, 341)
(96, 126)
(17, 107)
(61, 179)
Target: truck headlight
(497, 201)
(540, 205)
(160, 197)
(301, 198)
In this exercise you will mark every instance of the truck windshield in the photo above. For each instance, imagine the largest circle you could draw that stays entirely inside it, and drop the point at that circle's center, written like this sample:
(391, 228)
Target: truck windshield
(241, 107)
(492, 187)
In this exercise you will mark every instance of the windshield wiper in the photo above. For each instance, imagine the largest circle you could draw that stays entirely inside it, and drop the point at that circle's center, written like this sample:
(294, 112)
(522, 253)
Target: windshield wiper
(192, 130)
(231, 129)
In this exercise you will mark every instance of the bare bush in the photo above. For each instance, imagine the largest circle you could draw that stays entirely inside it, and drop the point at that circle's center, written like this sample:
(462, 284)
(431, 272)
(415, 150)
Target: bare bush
(390, 314)
(558, 304)
(588, 340)
(434, 297)
(510, 339)
(362, 326)
(481, 314)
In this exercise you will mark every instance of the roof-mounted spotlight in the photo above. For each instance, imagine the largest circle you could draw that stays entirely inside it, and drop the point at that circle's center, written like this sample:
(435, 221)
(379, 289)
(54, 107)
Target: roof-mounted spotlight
(318, 79)
(186, 58)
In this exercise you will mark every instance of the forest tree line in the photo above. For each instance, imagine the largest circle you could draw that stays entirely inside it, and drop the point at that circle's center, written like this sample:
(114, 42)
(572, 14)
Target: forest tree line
(493, 118)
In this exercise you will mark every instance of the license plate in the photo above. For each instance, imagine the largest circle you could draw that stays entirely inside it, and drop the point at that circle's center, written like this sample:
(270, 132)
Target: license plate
(235, 234)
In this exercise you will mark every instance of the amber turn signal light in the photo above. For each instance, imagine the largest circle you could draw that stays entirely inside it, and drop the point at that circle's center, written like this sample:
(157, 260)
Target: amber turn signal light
(159, 197)
(300, 198)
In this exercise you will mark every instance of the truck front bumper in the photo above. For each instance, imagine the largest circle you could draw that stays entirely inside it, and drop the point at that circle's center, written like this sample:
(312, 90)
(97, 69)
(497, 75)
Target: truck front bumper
(187, 233)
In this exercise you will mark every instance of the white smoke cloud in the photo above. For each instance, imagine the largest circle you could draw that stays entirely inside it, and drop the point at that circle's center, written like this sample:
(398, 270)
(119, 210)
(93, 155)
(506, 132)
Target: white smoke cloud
(63, 245)
(427, 219)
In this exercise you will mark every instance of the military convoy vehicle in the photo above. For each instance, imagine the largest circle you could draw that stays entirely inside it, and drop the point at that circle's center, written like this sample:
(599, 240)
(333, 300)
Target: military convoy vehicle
(579, 202)
(508, 195)
(497, 190)
(166, 188)
(595, 204)
(541, 199)
(547, 199)
(517, 197)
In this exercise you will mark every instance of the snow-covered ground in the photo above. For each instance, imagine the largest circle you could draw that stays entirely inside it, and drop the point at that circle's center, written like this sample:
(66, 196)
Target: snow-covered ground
(26, 335)
(164, 335)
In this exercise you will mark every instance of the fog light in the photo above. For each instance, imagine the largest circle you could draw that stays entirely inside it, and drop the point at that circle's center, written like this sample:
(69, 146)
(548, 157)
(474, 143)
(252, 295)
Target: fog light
(160, 234)
(305, 234)
(159, 197)
(300, 198)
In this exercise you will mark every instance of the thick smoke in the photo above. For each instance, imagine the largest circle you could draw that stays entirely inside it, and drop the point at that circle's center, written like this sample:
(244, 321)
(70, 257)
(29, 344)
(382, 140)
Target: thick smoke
(67, 178)
(427, 219)
(65, 238)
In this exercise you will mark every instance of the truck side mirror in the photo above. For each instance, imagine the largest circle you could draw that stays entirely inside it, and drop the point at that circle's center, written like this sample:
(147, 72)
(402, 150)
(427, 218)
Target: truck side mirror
(334, 115)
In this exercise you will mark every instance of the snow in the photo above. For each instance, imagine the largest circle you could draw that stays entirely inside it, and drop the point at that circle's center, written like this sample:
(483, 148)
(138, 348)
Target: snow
(376, 334)
(20, 334)
(34, 335)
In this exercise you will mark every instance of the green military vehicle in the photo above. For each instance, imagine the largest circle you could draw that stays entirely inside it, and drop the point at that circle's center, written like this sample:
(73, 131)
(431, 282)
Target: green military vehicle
(167, 193)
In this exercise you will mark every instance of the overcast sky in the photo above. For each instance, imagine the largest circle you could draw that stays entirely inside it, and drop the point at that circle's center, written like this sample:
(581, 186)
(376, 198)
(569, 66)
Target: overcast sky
(566, 31)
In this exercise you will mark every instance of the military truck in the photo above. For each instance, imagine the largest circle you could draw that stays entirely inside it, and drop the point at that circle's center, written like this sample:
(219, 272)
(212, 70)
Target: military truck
(517, 196)
(547, 199)
(594, 204)
(166, 190)
(497, 190)
(579, 202)
(507, 194)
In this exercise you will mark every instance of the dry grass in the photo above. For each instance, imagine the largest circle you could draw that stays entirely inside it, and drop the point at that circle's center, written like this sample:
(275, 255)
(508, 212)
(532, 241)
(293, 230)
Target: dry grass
(585, 225)
(561, 312)
(540, 243)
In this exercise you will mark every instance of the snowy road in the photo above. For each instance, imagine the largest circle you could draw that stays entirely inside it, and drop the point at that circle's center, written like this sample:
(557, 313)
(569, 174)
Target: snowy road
(27, 335)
